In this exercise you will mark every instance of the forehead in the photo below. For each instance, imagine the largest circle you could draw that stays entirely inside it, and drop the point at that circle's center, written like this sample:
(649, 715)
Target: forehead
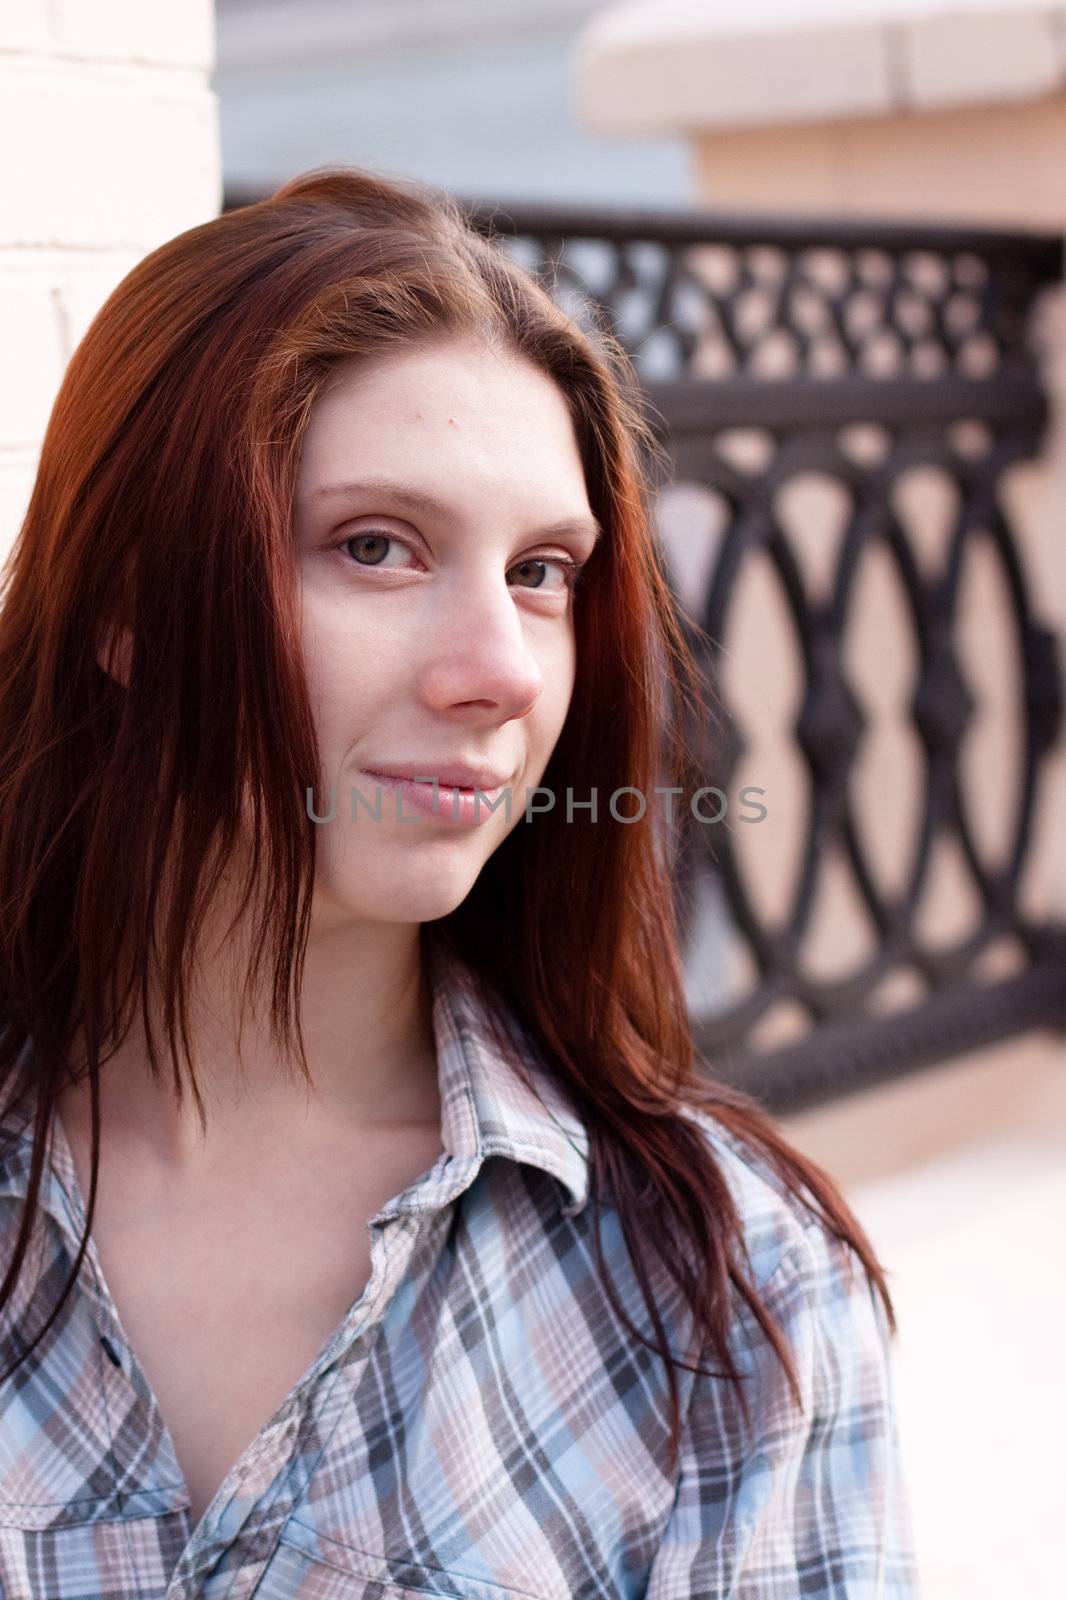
(455, 405)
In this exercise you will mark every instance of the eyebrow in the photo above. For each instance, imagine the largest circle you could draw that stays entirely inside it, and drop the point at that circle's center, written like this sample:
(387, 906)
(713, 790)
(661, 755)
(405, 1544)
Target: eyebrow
(429, 504)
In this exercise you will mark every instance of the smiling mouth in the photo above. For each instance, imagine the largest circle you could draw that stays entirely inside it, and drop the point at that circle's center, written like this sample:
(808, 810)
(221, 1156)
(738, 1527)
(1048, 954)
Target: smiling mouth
(442, 803)
(441, 786)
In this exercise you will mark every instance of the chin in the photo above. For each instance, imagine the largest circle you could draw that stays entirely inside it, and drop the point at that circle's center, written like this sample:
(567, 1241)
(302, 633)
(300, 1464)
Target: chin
(411, 890)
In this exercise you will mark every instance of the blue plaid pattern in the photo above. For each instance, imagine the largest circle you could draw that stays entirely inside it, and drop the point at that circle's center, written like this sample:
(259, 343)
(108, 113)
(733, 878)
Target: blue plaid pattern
(481, 1425)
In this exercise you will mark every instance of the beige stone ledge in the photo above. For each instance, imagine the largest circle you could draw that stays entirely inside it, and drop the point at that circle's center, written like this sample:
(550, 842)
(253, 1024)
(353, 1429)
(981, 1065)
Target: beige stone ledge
(666, 66)
(1000, 165)
(1010, 1091)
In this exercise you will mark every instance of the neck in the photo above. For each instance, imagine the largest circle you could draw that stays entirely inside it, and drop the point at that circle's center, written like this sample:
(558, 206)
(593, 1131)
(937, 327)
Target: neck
(367, 1029)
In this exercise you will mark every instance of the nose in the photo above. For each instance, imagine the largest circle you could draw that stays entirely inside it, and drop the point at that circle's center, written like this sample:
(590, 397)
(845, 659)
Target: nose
(477, 658)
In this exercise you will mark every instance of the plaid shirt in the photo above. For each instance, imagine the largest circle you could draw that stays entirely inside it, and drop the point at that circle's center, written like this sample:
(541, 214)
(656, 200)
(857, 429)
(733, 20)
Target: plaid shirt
(481, 1424)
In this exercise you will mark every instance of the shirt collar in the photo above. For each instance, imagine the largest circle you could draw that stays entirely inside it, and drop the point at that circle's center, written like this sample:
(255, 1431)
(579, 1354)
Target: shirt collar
(498, 1095)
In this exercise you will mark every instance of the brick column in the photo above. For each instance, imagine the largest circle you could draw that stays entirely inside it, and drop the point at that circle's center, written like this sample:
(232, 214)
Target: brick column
(110, 136)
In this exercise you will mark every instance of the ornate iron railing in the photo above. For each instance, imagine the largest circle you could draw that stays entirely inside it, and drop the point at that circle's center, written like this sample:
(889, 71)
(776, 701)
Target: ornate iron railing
(889, 369)
(773, 353)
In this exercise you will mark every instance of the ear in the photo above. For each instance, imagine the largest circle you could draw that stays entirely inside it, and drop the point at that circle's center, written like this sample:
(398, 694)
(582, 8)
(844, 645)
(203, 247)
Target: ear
(115, 652)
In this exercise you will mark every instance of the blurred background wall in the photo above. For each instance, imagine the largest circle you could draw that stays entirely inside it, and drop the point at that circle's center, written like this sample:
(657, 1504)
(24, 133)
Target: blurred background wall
(472, 94)
(906, 108)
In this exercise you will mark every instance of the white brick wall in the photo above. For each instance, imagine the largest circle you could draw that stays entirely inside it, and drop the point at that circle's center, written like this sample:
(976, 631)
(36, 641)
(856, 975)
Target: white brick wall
(109, 129)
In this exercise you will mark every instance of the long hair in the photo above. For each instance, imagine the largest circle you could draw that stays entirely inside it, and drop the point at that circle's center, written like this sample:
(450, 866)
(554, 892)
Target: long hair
(163, 502)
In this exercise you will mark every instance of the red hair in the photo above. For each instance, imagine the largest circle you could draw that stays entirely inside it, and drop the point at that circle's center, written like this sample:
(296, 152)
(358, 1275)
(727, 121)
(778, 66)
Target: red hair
(164, 502)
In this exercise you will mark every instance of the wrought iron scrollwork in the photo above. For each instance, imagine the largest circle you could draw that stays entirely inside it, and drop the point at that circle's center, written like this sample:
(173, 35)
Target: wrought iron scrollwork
(855, 356)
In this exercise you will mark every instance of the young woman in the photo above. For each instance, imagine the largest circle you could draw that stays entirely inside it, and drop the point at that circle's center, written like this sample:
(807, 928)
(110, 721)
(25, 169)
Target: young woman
(369, 1229)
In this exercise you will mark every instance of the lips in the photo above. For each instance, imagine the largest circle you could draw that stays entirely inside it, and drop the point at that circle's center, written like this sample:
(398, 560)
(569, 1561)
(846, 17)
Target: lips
(451, 775)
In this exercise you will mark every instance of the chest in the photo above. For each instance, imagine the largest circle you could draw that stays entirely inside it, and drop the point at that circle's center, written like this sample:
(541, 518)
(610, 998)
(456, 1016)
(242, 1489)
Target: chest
(493, 1431)
(227, 1295)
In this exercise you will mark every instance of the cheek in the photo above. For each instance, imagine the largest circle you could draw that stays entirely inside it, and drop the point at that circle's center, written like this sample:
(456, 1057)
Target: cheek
(345, 671)
(559, 676)
(564, 675)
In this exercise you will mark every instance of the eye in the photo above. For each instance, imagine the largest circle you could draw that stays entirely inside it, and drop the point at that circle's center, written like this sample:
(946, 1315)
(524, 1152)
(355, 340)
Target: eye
(571, 569)
(376, 540)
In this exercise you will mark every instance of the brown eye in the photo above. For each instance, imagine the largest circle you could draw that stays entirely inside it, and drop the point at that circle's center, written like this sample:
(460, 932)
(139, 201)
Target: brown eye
(373, 539)
(537, 564)
(373, 548)
(536, 567)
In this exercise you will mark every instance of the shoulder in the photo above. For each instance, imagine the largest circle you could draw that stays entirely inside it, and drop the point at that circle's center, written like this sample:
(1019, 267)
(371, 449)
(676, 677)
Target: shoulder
(811, 1282)
(816, 1291)
(782, 1231)
(804, 1498)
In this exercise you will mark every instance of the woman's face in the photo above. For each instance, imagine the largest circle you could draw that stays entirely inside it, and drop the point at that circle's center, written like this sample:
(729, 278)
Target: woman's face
(440, 498)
